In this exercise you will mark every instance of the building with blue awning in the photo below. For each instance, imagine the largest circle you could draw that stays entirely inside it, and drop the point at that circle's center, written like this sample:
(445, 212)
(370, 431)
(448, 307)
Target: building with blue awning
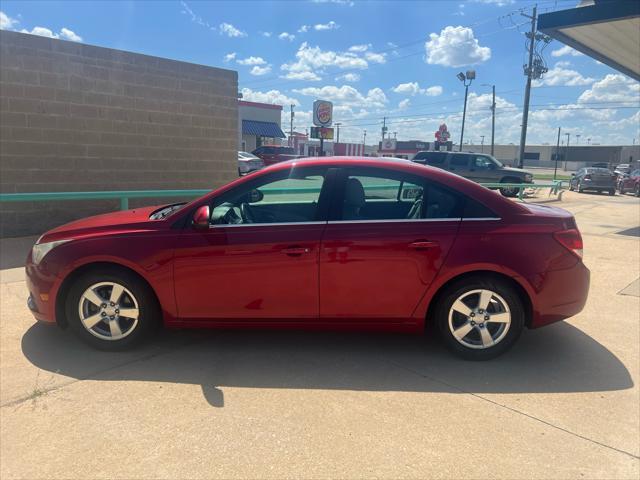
(259, 124)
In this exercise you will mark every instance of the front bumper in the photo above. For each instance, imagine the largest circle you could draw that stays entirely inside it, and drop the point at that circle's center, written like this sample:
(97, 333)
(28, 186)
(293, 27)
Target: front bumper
(559, 294)
(43, 288)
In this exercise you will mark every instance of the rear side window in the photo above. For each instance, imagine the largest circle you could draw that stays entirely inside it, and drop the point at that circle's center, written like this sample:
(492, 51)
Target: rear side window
(431, 158)
(459, 160)
(473, 209)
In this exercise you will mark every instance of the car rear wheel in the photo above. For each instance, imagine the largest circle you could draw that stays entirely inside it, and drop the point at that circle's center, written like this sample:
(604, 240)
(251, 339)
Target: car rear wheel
(480, 318)
(580, 189)
(637, 190)
(612, 191)
(111, 309)
(509, 191)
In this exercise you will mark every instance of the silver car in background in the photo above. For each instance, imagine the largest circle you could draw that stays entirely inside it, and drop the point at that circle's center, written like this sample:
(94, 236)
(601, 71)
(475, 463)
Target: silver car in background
(247, 163)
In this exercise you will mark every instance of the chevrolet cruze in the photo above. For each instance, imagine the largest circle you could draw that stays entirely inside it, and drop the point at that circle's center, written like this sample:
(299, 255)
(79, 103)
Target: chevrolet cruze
(336, 243)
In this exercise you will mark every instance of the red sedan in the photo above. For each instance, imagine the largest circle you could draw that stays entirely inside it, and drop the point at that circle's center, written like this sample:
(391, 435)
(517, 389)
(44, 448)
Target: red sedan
(350, 243)
(630, 183)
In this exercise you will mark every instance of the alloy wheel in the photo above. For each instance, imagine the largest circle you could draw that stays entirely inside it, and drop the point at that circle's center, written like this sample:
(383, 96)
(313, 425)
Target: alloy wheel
(479, 319)
(108, 311)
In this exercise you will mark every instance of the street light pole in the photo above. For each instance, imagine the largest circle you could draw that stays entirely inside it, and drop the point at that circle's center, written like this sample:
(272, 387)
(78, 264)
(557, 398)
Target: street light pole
(482, 143)
(555, 170)
(527, 91)
(338, 132)
(566, 156)
(469, 76)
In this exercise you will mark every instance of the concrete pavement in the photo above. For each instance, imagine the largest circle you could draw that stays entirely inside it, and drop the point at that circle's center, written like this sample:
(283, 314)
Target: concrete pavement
(232, 404)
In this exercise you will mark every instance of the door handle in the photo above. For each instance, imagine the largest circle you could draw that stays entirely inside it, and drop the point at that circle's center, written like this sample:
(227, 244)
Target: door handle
(423, 245)
(295, 251)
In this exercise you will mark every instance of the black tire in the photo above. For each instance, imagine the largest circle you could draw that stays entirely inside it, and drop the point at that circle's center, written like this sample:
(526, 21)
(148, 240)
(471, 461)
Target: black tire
(148, 309)
(571, 189)
(510, 192)
(580, 189)
(469, 284)
(637, 191)
(612, 191)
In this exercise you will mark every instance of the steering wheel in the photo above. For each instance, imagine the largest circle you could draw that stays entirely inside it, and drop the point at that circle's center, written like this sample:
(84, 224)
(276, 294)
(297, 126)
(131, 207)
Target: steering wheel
(246, 213)
(232, 217)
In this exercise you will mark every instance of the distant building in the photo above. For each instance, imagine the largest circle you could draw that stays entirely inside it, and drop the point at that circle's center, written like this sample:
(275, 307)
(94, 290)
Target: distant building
(391, 147)
(258, 124)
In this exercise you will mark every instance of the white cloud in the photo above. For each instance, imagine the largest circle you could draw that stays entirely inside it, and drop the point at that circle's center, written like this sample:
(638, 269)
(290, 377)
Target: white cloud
(257, 71)
(612, 88)
(499, 3)
(566, 50)
(306, 76)
(376, 57)
(433, 91)
(348, 96)
(266, 34)
(311, 62)
(70, 35)
(404, 104)
(274, 97)
(231, 31)
(349, 3)
(6, 22)
(410, 88)
(559, 75)
(186, 10)
(360, 48)
(348, 77)
(64, 34)
(326, 26)
(252, 61)
(413, 88)
(303, 29)
(229, 56)
(455, 47)
(286, 36)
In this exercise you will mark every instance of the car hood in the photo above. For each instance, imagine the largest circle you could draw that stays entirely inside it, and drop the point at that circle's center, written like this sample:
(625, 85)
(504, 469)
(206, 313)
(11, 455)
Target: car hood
(114, 222)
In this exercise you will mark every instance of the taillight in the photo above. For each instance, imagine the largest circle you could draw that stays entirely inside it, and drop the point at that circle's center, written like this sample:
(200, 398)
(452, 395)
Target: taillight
(587, 177)
(571, 240)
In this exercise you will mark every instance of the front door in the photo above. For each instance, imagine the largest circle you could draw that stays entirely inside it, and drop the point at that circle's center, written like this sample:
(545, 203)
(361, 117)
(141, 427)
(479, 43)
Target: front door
(384, 245)
(259, 258)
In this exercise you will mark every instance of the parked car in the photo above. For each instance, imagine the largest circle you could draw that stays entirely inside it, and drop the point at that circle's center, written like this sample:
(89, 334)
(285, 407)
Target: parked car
(630, 183)
(248, 163)
(622, 169)
(271, 154)
(479, 167)
(590, 178)
(347, 243)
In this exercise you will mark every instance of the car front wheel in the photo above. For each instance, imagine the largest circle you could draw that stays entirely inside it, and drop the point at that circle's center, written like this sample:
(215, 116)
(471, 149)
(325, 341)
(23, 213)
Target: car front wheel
(480, 318)
(111, 309)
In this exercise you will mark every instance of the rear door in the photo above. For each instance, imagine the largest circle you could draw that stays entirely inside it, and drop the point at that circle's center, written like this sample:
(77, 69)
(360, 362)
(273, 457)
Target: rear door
(383, 247)
(459, 164)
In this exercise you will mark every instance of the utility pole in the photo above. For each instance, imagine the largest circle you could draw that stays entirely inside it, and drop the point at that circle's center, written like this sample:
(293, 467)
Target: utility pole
(338, 133)
(555, 169)
(578, 135)
(384, 127)
(566, 155)
(493, 118)
(291, 130)
(482, 143)
(364, 139)
(527, 92)
(395, 135)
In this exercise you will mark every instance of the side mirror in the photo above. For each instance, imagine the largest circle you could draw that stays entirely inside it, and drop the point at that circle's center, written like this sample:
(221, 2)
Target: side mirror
(201, 218)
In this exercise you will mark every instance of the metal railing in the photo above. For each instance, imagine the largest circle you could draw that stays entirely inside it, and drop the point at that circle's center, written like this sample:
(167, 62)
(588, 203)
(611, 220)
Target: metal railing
(124, 195)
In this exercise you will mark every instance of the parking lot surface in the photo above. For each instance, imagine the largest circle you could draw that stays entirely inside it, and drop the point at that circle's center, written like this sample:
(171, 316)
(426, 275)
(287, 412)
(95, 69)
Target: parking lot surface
(564, 403)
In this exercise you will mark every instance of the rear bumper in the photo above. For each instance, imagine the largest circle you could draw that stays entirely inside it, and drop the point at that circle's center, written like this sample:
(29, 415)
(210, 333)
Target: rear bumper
(559, 294)
(596, 185)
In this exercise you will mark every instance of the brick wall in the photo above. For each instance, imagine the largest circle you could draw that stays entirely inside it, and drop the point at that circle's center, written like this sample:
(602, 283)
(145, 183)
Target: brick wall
(76, 117)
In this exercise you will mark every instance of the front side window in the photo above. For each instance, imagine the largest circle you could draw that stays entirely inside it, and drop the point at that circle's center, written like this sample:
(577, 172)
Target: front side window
(483, 163)
(292, 196)
(387, 195)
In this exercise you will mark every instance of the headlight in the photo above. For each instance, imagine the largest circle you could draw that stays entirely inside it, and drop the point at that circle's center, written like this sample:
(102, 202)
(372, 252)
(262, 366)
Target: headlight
(39, 250)
(528, 178)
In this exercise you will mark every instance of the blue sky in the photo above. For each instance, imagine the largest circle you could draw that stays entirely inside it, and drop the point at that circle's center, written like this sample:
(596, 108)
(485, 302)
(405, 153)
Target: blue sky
(372, 59)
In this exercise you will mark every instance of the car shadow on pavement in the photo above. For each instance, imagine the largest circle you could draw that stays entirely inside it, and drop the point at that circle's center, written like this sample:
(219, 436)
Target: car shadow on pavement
(559, 358)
